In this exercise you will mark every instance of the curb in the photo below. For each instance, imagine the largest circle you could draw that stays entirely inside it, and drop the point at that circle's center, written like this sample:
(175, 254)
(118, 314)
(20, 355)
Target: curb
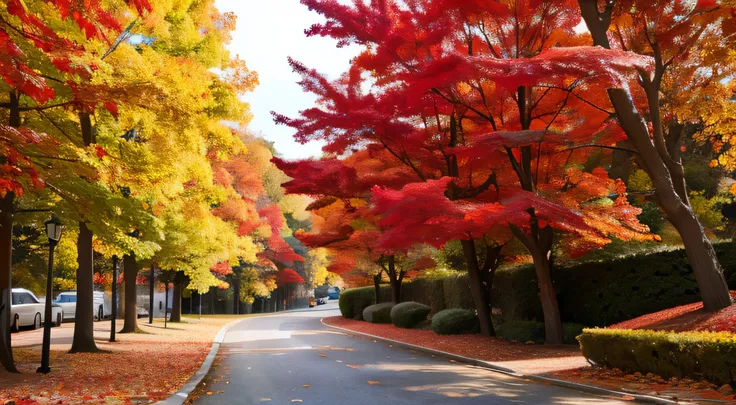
(507, 371)
(180, 396)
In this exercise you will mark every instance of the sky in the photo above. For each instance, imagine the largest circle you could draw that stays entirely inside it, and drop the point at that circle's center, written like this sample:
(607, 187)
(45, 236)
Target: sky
(268, 31)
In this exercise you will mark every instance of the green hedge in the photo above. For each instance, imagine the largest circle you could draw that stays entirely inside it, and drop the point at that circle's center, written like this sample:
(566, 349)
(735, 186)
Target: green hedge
(455, 321)
(603, 293)
(409, 314)
(707, 355)
(429, 292)
(591, 293)
(353, 301)
(533, 331)
(378, 313)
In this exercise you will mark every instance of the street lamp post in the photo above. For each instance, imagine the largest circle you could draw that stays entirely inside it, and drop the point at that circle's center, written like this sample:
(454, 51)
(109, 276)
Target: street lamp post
(166, 305)
(53, 232)
(114, 297)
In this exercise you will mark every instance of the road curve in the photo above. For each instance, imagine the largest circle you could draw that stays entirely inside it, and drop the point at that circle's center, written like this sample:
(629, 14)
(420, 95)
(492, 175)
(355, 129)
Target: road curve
(292, 358)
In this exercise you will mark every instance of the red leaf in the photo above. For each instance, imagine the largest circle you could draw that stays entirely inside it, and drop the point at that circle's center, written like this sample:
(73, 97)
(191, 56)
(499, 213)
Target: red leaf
(112, 108)
(101, 153)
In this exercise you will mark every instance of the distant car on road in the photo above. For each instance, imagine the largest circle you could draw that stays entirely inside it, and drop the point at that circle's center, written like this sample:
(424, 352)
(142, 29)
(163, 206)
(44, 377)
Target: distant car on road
(68, 301)
(333, 292)
(25, 309)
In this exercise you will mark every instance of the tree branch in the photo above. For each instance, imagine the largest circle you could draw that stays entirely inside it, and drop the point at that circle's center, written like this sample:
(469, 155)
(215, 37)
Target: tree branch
(592, 145)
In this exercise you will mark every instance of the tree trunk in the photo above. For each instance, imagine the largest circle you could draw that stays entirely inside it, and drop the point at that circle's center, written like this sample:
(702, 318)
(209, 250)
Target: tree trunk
(703, 260)
(539, 244)
(7, 209)
(477, 289)
(377, 287)
(84, 338)
(394, 279)
(550, 308)
(236, 291)
(121, 296)
(6, 260)
(176, 305)
(130, 272)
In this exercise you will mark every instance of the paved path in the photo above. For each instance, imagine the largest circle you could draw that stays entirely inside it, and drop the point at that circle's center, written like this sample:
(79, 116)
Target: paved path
(61, 336)
(292, 358)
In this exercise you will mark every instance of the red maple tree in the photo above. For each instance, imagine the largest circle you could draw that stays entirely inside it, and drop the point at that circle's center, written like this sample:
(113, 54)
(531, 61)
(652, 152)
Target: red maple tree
(481, 104)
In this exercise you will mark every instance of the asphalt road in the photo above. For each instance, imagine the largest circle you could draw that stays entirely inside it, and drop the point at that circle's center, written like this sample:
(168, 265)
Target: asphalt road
(292, 358)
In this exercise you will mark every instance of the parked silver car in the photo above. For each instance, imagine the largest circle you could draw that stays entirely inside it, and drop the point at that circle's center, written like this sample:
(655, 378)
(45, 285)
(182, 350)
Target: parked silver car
(68, 301)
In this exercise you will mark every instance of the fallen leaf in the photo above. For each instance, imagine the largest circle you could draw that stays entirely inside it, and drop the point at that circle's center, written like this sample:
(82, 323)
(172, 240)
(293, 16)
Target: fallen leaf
(322, 355)
(306, 385)
(209, 392)
(628, 398)
(371, 382)
(355, 366)
(350, 349)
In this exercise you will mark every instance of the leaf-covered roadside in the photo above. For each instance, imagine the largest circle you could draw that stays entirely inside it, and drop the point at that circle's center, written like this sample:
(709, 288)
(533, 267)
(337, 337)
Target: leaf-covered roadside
(131, 372)
(683, 389)
(138, 368)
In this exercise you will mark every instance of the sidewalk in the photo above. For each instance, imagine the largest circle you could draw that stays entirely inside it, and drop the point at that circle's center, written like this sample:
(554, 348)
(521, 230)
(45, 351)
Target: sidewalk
(560, 365)
(138, 368)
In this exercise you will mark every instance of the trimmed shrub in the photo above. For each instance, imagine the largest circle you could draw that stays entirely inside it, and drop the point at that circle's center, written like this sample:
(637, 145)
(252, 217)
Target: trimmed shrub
(409, 314)
(455, 321)
(378, 313)
(708, 355)
(533, 331)
(352, 302)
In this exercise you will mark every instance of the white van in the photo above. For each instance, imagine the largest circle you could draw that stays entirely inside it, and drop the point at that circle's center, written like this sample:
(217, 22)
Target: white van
(25, 309)
(68, 301)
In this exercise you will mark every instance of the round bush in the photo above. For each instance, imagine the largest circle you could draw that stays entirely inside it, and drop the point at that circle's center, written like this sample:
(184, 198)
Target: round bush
(378, 313)
(352, 302)
(409, 314)
(455, 321)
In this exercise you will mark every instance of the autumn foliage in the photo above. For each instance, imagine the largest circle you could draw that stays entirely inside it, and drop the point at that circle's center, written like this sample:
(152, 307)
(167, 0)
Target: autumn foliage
(478, 127)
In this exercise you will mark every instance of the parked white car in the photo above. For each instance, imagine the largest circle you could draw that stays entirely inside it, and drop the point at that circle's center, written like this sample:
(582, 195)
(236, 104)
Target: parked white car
(68, 301)
(25, 309)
